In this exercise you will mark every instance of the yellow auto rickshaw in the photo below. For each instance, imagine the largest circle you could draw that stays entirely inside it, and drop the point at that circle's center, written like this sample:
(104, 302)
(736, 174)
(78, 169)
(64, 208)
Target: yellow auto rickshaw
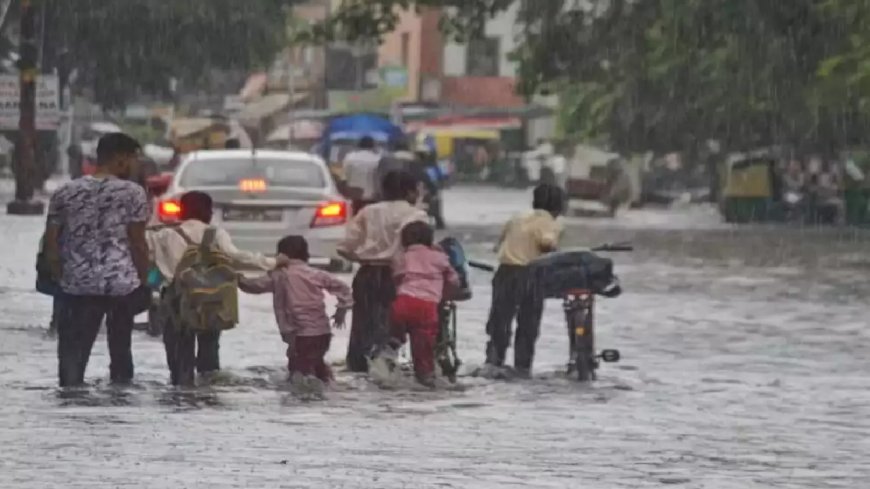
(749, 187)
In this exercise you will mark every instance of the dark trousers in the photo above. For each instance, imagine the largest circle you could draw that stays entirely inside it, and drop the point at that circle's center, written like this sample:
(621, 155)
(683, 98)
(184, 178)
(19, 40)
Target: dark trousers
(78, 323)
(512, 296)
(306, 356)
(187, 352)
(373, 293)
(418, 319)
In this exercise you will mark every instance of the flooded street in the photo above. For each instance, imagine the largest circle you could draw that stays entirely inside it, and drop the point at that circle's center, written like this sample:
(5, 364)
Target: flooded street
(744, 366)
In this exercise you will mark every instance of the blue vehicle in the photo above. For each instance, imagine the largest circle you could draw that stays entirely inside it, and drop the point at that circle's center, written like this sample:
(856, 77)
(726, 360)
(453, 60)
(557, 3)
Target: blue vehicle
(342, 133)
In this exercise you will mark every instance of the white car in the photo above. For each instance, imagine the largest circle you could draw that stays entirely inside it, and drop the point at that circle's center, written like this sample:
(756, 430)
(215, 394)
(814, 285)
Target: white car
(261, 196)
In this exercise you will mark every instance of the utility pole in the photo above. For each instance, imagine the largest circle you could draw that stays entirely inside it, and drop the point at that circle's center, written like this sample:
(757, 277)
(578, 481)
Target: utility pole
(25, 145)
(291, 93)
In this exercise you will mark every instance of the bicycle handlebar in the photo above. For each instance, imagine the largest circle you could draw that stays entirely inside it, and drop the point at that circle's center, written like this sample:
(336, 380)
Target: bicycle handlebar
(486, 267)
(614, 248)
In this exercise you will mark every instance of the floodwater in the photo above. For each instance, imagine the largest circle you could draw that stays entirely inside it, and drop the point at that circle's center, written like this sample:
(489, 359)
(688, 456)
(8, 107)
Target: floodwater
(744, 366)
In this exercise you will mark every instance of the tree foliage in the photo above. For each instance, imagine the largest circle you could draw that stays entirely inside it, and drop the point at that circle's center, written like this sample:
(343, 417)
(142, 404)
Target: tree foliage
(637, 75)
(669, 75)
(123, 47)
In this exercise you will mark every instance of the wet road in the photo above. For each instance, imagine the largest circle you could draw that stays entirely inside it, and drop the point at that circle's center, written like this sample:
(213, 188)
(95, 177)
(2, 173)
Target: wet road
(744, 367)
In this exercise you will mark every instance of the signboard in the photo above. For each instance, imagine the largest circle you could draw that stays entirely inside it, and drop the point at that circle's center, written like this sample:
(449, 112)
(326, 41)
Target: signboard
(392, 87)
(47, 102)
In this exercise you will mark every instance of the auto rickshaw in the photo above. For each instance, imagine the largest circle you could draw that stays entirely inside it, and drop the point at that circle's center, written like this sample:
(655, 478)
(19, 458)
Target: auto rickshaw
(463, 151)
(750, 188)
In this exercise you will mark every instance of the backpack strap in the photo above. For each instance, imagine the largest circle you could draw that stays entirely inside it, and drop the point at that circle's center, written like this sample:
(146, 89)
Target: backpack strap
(184, 235)
(208, 238)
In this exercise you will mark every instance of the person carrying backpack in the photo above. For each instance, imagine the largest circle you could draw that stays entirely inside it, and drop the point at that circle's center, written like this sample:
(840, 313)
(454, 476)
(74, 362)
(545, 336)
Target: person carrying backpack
(199, 298)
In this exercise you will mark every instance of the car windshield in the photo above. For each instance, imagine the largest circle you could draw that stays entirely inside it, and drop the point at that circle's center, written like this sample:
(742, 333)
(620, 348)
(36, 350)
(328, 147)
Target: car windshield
(283, 172)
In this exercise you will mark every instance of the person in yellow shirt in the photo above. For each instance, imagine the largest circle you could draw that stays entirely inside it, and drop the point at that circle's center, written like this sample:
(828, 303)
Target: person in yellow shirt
(526, 237)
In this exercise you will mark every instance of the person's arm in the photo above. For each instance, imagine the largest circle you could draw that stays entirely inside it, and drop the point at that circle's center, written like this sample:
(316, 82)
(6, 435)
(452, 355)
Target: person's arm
(547, 236)
(242, 258)
(51, 246)
(338, 289)
(342, 293)
(140, 212)
(258, 285)
(354, 237)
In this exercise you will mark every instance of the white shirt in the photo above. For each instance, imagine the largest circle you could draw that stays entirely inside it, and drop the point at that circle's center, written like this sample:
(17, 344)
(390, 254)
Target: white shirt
(360, 168)
(167, 247)
(375, 233)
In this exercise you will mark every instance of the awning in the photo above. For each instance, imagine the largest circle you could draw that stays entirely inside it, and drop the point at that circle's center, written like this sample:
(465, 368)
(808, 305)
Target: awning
(268, 105)
(305, 129)
(254, 87)
(182, 128)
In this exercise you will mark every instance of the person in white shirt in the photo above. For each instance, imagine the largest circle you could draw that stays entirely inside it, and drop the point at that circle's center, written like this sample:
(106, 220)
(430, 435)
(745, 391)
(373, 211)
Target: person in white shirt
(360, 174)
(373, 239)
(167, 246)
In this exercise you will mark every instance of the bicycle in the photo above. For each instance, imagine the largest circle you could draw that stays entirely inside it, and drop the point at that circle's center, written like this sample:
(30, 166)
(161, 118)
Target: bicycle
(578, 303)
(579, 307)
(445, 345)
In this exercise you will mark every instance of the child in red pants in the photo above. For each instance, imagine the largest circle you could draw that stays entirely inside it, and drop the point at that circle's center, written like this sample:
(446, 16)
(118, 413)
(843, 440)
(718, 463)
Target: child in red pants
(299, 308)
(421, 273)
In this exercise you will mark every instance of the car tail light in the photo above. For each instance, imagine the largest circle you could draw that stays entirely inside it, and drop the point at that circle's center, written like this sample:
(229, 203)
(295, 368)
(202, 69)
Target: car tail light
(330, 214)
(169, 210)
(252, 185)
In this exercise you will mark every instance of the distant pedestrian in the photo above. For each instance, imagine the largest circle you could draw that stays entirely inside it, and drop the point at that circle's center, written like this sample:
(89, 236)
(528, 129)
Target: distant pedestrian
(360, 174)
(373, 239)
(95, 245)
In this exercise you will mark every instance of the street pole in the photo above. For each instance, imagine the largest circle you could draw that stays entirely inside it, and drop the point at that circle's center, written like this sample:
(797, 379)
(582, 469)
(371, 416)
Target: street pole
(291, 92)
(25, 147)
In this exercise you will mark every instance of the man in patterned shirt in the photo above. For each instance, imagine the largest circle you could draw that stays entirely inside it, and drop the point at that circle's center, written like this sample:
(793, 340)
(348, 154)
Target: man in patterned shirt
(95, 243)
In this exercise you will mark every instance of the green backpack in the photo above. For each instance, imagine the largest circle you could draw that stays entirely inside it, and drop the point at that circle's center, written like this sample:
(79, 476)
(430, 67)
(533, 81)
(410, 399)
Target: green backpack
(205, 286)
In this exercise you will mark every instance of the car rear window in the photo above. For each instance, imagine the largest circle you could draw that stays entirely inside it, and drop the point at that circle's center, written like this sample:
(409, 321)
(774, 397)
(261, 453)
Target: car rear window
(229, 172)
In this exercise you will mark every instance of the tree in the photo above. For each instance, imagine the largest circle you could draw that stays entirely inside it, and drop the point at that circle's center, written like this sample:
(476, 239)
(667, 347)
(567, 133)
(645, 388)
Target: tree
(668, 75)
(121, 48)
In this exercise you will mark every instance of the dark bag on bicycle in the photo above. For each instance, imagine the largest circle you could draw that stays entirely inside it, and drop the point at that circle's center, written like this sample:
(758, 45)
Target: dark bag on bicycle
(554, 274)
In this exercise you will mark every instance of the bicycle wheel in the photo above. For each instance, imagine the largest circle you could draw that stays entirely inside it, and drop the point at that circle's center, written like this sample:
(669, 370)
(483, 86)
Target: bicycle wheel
(582, 355)
(445, 349)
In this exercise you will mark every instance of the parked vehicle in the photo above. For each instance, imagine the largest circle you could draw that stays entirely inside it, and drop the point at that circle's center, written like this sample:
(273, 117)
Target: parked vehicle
(262, 196)
(599, 178)
(748, 188)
